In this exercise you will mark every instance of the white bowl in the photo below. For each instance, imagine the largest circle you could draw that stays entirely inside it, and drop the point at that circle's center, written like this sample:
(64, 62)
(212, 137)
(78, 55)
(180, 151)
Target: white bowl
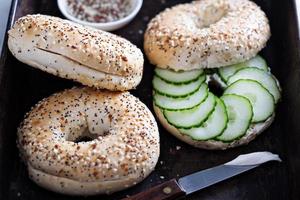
(109, 26)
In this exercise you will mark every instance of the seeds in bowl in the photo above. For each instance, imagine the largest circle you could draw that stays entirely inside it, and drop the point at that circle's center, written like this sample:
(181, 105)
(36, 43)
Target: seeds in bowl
(99, 11)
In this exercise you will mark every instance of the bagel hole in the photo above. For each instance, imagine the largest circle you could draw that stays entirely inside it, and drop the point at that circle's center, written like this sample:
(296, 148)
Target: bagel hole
(85, 136)
(212, 14)
(215, 87)
(83, 139)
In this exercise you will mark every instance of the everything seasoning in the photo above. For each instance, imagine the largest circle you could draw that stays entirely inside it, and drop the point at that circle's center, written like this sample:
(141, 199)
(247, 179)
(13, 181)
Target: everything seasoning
(99, 11)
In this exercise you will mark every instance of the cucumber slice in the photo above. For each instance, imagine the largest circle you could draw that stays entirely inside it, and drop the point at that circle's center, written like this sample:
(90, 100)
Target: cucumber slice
(256, 62)
(240, 114)
(260, 76)
(171, 103)
(181, 77)
(172, 90)
(261, 100)
(192, 117)
(212, 127)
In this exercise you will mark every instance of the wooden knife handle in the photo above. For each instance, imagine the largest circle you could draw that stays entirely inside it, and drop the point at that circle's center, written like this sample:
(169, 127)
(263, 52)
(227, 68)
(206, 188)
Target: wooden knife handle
(166, 191)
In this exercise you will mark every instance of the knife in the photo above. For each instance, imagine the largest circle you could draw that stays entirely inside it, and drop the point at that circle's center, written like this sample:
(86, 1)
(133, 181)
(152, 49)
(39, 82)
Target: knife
(186, 185)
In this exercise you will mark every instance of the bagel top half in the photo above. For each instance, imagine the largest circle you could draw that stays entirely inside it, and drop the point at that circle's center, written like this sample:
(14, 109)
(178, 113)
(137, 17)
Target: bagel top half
(92, 57)
(206, 34)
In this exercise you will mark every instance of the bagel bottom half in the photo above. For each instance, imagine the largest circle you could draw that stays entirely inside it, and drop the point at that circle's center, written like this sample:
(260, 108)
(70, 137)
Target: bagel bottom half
(253, 131)
(120, 149)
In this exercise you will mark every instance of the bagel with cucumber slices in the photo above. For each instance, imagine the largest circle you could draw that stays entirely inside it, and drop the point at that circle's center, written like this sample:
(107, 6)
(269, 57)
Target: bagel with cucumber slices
(224, 36)
(188, 109)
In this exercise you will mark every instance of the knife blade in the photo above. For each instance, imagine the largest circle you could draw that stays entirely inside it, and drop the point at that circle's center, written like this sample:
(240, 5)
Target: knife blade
(186, 185)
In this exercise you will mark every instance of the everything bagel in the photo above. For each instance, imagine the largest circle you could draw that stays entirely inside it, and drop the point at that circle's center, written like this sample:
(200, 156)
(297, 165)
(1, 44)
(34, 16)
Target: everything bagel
(206, 34)
(92, 57)
(123, 150)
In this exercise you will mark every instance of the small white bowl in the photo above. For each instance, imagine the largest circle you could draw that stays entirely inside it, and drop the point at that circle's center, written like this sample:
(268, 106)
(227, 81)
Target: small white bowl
(108, 26)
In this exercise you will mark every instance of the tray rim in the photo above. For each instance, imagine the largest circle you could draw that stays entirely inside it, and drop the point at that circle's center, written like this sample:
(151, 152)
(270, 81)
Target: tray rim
(11, 17)
(295, 6)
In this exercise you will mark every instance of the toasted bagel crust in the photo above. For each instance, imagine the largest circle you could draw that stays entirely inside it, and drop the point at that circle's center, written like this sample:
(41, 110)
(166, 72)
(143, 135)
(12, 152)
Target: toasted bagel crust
(206, 34)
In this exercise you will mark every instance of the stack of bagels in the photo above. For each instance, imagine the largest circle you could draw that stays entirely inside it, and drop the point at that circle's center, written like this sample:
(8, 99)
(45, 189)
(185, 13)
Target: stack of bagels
(124, 139)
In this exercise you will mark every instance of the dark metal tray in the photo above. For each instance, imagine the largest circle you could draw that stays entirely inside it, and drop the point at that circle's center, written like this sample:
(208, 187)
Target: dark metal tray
(22, 86)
